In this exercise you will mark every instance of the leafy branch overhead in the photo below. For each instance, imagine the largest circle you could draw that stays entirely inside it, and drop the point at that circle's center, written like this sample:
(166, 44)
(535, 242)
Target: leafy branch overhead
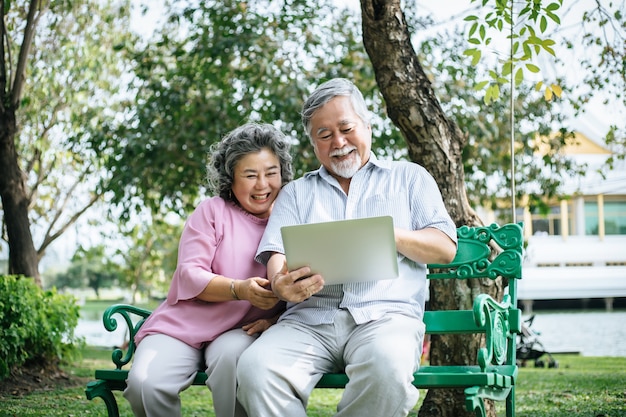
(527, 39)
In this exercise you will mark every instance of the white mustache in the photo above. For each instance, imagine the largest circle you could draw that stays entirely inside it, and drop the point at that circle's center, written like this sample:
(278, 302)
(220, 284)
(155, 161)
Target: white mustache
(342, 151)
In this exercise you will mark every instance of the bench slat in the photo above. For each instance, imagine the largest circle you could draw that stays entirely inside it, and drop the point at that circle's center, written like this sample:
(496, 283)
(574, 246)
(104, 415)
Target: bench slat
(450, 322)
(426, 377)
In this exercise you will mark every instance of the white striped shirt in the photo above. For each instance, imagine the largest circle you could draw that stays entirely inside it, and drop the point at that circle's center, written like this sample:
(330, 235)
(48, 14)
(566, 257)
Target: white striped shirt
(403, 190)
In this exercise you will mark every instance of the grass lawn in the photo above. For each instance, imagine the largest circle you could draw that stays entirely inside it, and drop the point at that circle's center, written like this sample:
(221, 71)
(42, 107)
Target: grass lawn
(580, 387)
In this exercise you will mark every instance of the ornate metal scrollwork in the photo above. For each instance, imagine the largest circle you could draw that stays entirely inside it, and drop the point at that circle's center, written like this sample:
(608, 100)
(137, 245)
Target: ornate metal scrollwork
(493, 317)
(119, 357)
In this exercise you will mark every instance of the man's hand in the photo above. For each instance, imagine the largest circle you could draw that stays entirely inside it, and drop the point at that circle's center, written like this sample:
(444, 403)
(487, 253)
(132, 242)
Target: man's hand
(296, 286)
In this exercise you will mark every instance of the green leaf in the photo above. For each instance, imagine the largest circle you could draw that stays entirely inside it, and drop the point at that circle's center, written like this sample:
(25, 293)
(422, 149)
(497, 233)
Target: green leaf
(519, 76)
(479, 86)
(487, 98)
(476, 58)
(507, 68)
(532, 68)
(554, 17)
(553, 6)
(524, 11)
(496, 91)
(515, 47)
(470, 52)
(473, 29)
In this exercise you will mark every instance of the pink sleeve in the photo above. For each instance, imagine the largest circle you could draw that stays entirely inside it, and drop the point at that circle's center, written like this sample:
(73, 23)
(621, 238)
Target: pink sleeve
(196, 252)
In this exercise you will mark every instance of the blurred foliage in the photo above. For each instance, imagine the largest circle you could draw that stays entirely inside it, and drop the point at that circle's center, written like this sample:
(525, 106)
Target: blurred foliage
(487, 155)
(525, 23)
(36, 326)
(71, 87)
(89, 268)
(213, 66)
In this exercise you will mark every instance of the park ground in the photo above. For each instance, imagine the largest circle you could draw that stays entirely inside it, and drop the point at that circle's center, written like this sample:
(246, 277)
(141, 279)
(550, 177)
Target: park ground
(580, 387)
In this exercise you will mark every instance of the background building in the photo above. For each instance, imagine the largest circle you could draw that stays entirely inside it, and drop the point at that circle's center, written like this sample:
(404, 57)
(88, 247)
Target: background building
(578, 250)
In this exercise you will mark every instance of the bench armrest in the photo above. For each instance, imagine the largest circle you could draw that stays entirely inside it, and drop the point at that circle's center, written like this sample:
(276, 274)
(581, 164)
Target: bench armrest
(110, 323)
(493, 316)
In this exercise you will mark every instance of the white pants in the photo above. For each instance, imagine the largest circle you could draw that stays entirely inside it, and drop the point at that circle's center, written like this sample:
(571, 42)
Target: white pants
(164, 366)
(277, 374)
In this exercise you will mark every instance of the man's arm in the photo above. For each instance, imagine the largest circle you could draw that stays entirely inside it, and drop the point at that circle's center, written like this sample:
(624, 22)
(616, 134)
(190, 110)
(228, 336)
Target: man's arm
(425, 246)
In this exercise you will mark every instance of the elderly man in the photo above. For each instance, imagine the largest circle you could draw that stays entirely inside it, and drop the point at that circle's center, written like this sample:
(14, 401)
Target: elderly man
(372, 330)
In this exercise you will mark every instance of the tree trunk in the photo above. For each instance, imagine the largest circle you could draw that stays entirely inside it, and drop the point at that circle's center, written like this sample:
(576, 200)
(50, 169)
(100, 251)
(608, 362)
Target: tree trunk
(23, 258)
(436, 143)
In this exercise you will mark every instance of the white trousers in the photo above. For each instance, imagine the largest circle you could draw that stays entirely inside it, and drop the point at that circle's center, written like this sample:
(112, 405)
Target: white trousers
(278, 372)
(164, 366)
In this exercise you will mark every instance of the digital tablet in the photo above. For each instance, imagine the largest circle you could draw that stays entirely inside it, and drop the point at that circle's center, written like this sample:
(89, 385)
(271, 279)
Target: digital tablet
(355, 250)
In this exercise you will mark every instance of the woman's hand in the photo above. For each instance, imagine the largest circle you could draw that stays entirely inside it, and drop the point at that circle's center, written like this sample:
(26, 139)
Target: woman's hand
(257, 291)
(260, 325)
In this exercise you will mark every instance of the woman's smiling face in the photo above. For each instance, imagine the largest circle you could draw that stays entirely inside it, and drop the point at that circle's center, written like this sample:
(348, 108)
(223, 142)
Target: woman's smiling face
(257, 181)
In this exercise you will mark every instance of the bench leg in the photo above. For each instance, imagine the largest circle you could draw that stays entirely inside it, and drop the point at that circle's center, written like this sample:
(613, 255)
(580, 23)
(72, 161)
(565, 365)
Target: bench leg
(101, 389)
(510, 403)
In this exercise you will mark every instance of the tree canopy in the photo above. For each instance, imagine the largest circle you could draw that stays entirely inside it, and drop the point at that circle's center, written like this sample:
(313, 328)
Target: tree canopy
(132, 118)
(59, 90)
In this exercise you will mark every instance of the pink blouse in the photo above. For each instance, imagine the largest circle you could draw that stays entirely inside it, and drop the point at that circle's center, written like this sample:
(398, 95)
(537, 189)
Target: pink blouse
(219, 238)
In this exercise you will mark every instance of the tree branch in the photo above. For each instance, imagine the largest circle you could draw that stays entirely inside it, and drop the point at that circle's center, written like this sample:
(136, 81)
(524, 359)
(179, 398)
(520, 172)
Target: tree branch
(35, 11)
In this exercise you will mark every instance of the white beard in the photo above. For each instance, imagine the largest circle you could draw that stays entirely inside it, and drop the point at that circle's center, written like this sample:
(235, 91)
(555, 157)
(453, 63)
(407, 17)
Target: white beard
(348, 167)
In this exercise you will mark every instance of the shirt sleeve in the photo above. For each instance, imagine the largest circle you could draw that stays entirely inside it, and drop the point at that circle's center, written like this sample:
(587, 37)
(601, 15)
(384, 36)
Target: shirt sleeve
(429, 209)
(284, 213)
(196, 252)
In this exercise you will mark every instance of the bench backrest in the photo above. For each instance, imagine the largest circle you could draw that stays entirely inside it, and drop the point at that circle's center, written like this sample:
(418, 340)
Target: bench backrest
(483, 252)
(474, 254)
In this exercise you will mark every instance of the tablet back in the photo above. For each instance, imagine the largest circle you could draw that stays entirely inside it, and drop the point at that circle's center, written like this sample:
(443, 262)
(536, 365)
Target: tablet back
(344, 251)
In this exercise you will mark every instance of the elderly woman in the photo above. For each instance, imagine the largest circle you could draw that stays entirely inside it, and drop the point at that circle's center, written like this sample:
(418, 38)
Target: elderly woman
(219, 300)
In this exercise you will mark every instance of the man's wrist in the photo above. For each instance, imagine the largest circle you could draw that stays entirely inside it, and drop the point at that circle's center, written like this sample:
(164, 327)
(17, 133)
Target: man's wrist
(274, 288)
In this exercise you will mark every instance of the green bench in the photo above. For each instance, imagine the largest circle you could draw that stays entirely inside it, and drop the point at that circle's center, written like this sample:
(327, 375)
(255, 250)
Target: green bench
(492, 377)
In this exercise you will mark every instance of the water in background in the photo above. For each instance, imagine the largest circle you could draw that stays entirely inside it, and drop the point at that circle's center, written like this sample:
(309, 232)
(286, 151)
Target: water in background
(590, 333)
(95, 334)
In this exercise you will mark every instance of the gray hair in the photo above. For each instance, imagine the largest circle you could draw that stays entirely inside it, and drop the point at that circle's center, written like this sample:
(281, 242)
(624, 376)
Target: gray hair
(246, 139)
(326, 92)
